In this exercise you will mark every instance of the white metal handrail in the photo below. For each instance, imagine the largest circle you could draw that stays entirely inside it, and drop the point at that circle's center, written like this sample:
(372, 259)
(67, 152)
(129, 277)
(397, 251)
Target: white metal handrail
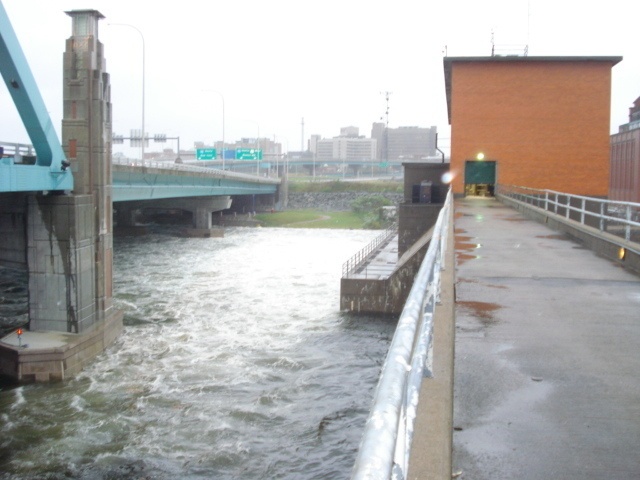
(386, 442)
(621, 219)
(351, 265)
(16, 150)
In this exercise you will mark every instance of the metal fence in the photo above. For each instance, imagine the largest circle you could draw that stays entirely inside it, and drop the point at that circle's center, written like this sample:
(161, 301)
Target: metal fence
(621, 219)
(386, 442)
(16, 151)
(351, 265)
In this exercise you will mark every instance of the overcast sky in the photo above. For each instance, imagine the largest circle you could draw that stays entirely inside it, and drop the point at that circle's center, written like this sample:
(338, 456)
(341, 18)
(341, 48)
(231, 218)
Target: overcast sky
(330, 61)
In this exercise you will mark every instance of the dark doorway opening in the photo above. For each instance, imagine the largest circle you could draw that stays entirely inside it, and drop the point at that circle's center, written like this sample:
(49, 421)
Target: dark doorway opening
(479, 178)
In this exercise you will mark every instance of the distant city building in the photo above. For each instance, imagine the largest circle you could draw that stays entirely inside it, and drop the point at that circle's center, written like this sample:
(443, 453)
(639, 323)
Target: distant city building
(349, 132)
(349, 146)
(624, 183)
(405, 143)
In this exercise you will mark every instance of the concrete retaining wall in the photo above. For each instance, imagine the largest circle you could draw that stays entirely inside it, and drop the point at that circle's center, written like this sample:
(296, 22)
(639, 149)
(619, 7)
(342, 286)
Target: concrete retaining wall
(387, 295)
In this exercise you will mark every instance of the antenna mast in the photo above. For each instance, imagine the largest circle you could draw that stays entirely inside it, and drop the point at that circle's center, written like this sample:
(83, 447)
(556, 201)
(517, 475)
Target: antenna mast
(526, 48)
(386, 128)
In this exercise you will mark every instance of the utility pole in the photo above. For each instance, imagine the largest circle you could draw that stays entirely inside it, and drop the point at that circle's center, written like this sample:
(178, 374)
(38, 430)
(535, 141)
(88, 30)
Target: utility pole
(386, 128)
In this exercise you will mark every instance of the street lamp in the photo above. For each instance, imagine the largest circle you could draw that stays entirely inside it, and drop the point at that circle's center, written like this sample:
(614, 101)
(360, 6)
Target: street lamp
(284, 156)
(142, 37)
(222, 98)
(257, 146)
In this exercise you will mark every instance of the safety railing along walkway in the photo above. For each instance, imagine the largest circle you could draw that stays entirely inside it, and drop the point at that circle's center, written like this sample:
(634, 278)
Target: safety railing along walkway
(621, 219)
(386, 442)
(352, 265)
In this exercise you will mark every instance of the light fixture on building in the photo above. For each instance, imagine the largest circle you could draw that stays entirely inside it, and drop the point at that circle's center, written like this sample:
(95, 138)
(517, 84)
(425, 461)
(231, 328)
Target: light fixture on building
(480, 156)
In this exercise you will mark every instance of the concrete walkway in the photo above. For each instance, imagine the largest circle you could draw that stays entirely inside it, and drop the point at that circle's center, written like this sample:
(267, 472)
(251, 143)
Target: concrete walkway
(547, 360)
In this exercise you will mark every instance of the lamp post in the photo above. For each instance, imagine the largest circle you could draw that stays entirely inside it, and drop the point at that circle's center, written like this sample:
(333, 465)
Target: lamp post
(143, 74)
(284, 156)
(222, 98)
(257, 146)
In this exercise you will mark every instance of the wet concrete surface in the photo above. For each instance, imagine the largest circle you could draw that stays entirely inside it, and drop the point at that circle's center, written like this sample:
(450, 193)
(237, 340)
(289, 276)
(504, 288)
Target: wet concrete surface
(547, 360)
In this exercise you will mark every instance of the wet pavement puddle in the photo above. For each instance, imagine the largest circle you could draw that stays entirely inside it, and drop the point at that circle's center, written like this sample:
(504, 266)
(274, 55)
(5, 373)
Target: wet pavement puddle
(463, 246)
(483, 311)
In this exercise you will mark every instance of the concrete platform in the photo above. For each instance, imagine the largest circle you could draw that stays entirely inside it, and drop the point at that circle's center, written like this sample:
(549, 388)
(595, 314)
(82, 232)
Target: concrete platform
(44, 356)
(381, 264)
(38, 340)
(547, 353)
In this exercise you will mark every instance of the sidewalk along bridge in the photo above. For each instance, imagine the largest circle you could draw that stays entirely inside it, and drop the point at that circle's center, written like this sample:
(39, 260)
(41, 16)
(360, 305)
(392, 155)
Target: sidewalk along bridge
(132, 180)
(157, 180)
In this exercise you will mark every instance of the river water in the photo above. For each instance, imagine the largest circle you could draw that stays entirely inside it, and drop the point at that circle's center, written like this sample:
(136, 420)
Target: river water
(235, 363)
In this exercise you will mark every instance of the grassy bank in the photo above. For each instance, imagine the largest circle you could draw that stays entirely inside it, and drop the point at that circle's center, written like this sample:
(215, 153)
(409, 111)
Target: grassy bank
(311, 219)
(358, 218)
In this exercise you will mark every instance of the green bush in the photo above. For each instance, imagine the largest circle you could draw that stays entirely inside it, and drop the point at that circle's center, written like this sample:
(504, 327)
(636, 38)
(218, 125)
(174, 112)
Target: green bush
(369, 204)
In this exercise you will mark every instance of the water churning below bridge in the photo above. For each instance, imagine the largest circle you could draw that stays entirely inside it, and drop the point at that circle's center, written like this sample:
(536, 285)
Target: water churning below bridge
(234, 363)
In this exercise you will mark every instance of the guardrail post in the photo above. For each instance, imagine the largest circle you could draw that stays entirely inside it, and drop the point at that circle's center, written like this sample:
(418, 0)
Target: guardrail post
(546, 201)
(583, 203)
(602, 221)
(627, 229)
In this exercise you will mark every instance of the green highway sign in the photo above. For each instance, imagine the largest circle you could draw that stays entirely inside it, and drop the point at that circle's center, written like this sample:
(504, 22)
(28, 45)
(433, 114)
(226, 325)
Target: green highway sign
(206, 154)
(248, 154)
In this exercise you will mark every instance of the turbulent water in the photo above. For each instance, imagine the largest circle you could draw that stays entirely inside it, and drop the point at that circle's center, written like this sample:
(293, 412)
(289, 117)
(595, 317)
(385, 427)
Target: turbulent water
(234, 363)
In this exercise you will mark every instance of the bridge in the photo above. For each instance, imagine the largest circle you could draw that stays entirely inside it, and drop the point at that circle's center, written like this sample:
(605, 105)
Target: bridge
(56, 214)
(200, 190)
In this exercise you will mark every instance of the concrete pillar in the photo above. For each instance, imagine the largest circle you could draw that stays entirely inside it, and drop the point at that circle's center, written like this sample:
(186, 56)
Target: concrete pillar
(70, 240)
(125, 216)
(202, 218)
(202, 209)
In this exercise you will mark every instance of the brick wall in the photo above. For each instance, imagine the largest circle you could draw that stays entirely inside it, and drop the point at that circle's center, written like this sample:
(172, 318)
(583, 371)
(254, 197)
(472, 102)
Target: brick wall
(545, 123)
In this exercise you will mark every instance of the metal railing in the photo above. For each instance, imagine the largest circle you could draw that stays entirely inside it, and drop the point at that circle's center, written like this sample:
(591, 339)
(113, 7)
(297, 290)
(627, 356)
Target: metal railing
(16, 151)
(351, 265)
(621, 219)
(386, 442)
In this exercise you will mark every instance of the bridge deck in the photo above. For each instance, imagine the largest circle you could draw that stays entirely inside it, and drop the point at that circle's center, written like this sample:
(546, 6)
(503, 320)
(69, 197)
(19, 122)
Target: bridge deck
(546, 355)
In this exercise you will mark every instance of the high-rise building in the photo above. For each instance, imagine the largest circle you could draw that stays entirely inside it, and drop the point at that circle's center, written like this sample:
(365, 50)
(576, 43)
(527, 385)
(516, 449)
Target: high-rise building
(404, 143)
(348, 146)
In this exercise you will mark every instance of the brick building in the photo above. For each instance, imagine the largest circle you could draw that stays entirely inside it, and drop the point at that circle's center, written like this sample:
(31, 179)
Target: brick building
(625, 159)
(540, 122)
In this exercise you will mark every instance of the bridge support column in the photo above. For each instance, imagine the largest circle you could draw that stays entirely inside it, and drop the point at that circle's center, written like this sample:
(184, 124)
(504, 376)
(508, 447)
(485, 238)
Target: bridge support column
(69, 236)
(125, 216)
(202, 209)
